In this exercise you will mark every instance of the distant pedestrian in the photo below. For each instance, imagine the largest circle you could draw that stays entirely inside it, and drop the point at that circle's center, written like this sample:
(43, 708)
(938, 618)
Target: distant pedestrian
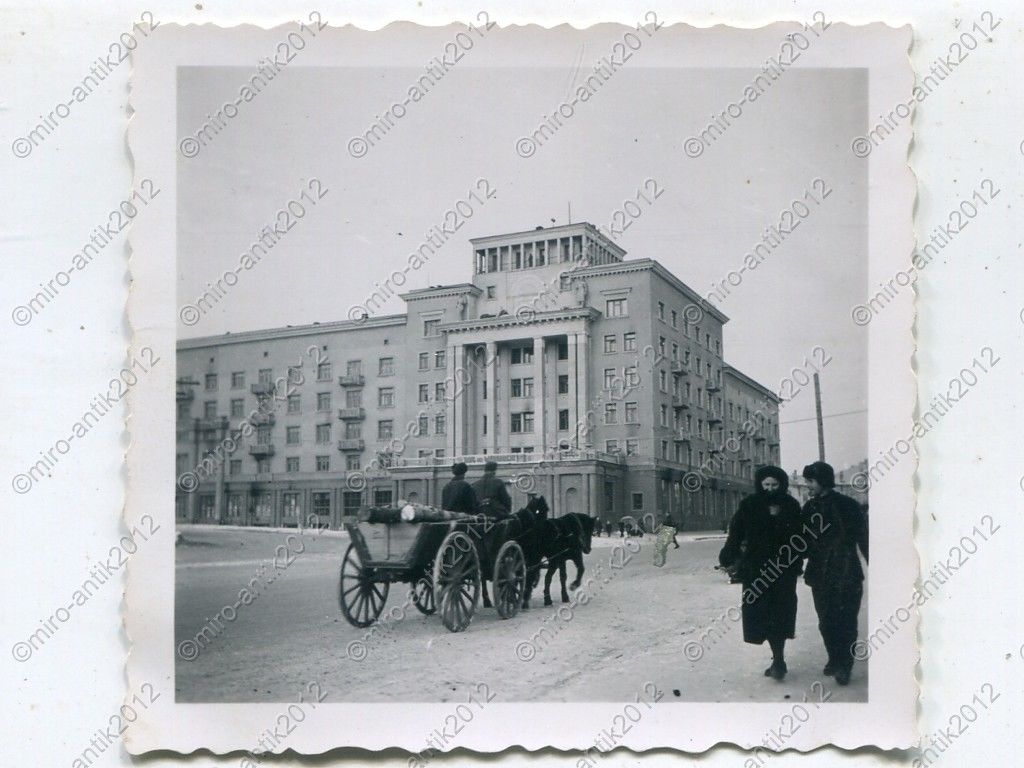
(622, 528)
(837, 527)
(458, 495)
(608, 528)
(761, 531)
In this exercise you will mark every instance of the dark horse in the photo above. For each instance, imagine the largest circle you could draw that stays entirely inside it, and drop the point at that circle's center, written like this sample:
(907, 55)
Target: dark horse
(563, 539)
(523, 527)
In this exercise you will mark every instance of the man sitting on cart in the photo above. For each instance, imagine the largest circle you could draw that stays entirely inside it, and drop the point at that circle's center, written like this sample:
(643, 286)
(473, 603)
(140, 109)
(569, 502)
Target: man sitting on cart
(491, 494)
(458, 495)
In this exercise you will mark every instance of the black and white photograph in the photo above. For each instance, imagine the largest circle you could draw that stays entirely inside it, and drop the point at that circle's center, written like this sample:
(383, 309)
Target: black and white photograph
(536, 373)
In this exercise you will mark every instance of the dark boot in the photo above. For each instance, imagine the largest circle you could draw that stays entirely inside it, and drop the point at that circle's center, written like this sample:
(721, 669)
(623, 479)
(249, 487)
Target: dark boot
(843, 675)
(777, 670)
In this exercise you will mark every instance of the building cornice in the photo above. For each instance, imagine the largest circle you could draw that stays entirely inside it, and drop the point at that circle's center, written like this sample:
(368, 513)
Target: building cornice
(509, 320)
(729, 370)
(271, 334)
(458, 289)
(650, 265)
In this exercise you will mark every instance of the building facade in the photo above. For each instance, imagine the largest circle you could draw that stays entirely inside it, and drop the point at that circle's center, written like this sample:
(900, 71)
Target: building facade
(595, 380)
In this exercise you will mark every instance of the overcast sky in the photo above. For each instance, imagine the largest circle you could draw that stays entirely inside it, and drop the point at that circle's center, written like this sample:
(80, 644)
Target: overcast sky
(715, 208)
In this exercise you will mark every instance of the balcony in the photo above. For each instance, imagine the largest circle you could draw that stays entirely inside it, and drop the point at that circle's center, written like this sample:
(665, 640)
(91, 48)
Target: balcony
(352, 380)
(713, 387)
(262, 388)
(570, 454)
(351, 414)
(714, 418)
(679, 403)
(715, 449)
(352, 444)
(262, 450)
(204, 425)
(262, 419)
(185, 395)
(681, 437)
(759, 438)
(678, 368)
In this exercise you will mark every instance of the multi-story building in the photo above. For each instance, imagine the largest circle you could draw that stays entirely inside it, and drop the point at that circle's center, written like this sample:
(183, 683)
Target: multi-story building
(596, 380)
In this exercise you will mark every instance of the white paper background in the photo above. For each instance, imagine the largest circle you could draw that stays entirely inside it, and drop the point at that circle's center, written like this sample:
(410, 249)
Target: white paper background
(970, 297)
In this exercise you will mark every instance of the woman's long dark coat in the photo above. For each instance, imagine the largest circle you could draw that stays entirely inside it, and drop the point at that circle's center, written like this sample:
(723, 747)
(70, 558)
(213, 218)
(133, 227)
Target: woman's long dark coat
(765, 547)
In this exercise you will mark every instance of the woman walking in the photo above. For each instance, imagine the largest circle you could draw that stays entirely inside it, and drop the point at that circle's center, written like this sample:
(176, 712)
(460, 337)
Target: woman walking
(763, 543)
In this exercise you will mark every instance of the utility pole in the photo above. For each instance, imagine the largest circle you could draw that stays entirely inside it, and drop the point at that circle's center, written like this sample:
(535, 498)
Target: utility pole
(821, 425)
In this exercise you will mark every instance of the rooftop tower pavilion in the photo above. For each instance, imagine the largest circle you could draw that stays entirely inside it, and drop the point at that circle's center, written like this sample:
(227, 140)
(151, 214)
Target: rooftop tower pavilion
(515, 269)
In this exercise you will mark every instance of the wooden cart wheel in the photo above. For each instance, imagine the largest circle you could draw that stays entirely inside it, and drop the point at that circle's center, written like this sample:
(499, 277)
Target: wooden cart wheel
(423, 595)
(456, 580)
(361, 599)
(509, 579)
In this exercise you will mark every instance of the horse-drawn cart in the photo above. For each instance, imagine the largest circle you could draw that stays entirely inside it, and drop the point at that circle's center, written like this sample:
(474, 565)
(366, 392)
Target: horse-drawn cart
(443, 556)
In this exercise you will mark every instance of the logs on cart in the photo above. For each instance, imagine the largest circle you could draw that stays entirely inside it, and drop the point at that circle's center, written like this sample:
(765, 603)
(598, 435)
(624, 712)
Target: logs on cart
(410, 512)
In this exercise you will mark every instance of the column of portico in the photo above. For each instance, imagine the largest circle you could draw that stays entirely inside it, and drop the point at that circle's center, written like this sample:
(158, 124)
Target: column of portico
(574, 391)
(538, 392)
(491, 372)
(583, 383)
(454, 400)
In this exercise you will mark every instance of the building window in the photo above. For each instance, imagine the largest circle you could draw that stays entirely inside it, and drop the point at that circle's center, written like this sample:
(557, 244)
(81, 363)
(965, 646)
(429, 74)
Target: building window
(294, 404)
(291, 464)
(353, 367)
(237, 408)
(718, 347)
(323, 434)
(610, 343)
(661, 311)
(632, 376)
(664, 449)
(424, 360)
(295, 375)
(210, 409)
(517, 423)
(663, 381)
(263, 435)
(611, 446)
(663, 410)
(323, 372)
(563, 350)
(528, 387)
(323, 401)
(563, 419)
(386, 397)
(386, 366)
(638, 501)
(211, 382)
(522, 355)
(430, 327)
(441, 424)
(675, 351)
(485, 428)
(610, 413)
(661, 346)
(238, 380)
(352, 463)
(424, 393)
(382, 497)
(490, 292)
(292, 436)
(615, 308)
(354, 398)
(266, 375)
(323, 464)
(631, 413)
(563, 384)
(385, 429)
(675, 319)
(423, 426)
(609, 378)
(632, 447)
(629, 341)
(516, 389)
(707, 341)
(439, 358)
(235, 467)
(351, 501)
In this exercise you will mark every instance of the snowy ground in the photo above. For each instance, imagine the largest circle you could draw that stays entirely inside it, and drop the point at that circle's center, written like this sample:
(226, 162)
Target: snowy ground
(630, 623)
